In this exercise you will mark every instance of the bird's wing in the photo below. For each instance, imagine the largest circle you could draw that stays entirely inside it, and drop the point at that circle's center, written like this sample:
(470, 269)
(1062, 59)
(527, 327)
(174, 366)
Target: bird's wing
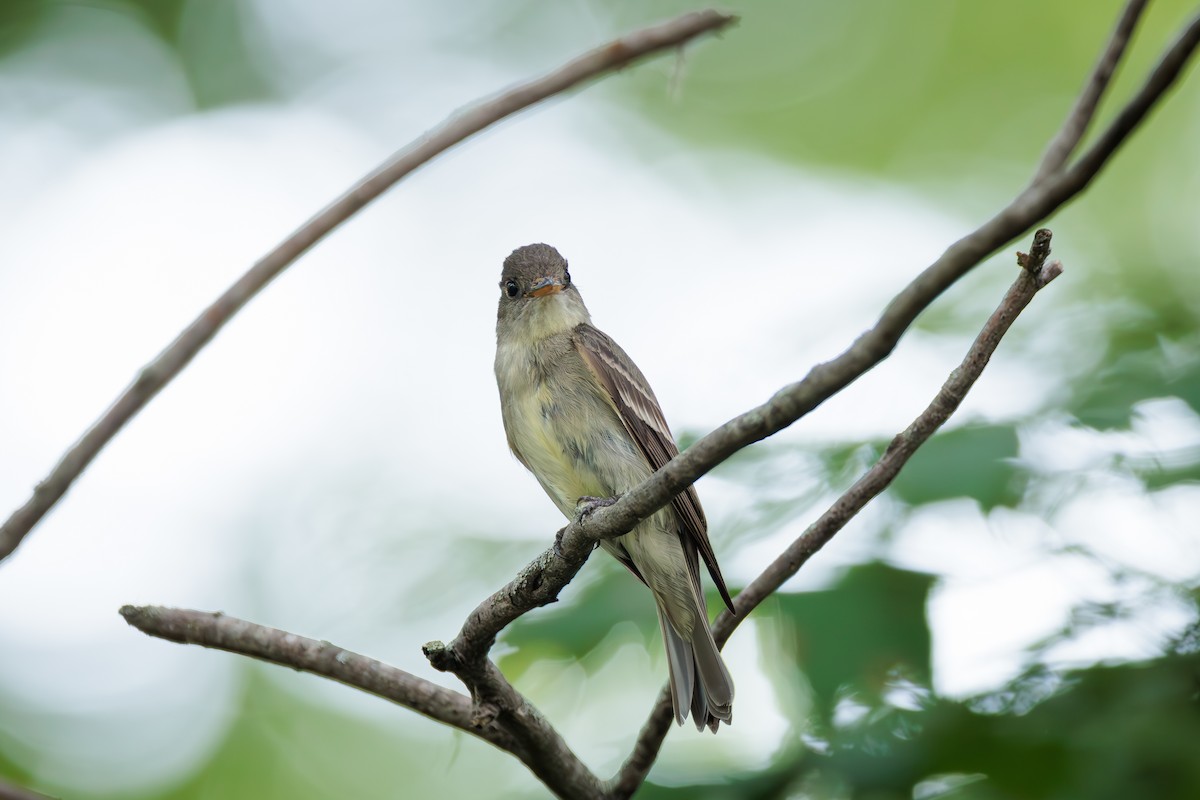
(639, 411)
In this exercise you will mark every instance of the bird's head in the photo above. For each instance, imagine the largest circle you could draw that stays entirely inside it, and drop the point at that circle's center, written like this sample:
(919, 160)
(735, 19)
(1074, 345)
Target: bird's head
(537, 297)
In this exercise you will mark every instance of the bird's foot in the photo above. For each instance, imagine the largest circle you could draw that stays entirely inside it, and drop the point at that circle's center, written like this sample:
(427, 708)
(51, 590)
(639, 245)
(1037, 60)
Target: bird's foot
(558, 542)
(586, 506)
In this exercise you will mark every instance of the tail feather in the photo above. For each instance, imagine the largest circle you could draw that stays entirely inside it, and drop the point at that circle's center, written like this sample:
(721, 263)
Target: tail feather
(682, 670)
(699, 680)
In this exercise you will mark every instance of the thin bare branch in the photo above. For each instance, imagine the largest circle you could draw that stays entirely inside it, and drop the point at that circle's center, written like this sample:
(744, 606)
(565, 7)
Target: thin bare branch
(538, 584)
(497, 703)
(1080, 118)
(610, 57)
(1037, 202)
(633, 772)
(514, 724)
(1034, 276)
(1031, 280)
(550, 759)
(223, 632)
(1161, 80)
(542, 580)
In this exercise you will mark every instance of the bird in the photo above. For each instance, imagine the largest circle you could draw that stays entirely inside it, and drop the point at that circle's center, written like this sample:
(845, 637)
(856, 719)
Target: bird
(581, 416)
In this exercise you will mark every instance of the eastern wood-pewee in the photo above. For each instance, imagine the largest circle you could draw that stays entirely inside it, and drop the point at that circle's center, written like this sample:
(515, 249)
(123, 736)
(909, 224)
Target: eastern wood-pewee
(581, 417)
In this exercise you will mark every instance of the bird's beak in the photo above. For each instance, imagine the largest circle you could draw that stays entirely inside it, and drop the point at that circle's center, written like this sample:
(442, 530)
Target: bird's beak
(545, 286)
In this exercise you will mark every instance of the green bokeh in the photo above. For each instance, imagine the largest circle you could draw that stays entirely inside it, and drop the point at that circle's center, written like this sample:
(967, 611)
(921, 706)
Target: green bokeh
(975, 462)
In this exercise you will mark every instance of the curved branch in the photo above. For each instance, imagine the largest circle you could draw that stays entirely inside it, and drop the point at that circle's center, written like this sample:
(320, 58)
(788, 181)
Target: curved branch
(1034, 276)
(538, 584)
(542, 580)
(1161, 79)
(495, 699)
(158, 373)
(521, 731)
(223, 632)
(1035, 203)
(1069, 135)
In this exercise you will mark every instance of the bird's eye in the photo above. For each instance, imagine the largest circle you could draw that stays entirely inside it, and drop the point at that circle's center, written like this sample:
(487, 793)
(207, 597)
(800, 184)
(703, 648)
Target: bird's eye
(511, 288)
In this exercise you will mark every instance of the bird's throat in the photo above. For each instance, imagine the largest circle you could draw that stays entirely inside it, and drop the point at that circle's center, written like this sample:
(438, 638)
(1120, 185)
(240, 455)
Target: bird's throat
(548, 316)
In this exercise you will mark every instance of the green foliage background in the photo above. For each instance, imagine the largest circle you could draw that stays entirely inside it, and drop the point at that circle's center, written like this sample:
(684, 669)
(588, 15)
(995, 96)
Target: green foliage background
(955, 101)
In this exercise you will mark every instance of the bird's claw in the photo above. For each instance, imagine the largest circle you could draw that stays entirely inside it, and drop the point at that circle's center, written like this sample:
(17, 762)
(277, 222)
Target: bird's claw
(586, 506)
(558, 537)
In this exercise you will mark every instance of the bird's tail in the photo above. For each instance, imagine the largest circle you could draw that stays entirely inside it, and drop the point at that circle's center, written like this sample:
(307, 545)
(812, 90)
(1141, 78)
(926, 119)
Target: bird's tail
(699, 680)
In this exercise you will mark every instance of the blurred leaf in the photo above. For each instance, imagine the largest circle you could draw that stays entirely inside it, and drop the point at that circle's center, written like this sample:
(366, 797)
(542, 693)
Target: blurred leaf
(1152, 349)
(768, 784)
(939, 83)
(216, 48)
(19, 20)
(860, 633)
(846, 462)
(163, 16)
(1106, 399)
(282, 745)
(1188, 642)
(574, 629)
(1170, 475)
(975, 461)
(222, 57)
(1116, 732)
(1109, 732)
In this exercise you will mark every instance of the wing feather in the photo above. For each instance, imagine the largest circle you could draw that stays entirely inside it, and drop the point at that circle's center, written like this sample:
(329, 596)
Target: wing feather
(639, 411)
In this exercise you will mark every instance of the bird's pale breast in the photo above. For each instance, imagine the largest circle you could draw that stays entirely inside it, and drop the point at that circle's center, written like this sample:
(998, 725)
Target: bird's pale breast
(570, 436)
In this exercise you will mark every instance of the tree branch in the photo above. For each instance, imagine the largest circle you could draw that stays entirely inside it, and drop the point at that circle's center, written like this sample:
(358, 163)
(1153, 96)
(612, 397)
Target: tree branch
(538, 584)
(633, 772)
(521, 731)
(544, 578)
(610, 57)
(1162, 78)
(550, 759)
(497, 706)
(499, 714)
(1037, 202)
(1034, 276)
(1069, 135)
(222, 632)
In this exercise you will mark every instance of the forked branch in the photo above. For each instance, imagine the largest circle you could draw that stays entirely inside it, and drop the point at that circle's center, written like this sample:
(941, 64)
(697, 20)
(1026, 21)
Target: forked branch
(496, 712)
(541, 581)
(1034, 276)
(500, 715)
